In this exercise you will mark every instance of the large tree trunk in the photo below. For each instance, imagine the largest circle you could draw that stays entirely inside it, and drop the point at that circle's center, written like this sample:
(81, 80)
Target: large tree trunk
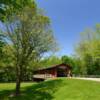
(18, 87)
(18, 80)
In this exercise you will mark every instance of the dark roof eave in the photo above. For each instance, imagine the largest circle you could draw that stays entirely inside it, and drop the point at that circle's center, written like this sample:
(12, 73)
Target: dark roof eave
(54, 67)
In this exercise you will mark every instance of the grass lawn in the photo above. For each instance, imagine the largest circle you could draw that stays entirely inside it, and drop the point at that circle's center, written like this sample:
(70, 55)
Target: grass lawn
(58, 89)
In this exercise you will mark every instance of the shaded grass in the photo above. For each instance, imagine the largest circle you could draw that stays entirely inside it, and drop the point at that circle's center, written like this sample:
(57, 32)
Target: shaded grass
(59, 89)
(40, 91)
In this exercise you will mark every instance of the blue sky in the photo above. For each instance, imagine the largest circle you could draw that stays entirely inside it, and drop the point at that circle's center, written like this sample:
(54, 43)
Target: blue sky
(69, 18)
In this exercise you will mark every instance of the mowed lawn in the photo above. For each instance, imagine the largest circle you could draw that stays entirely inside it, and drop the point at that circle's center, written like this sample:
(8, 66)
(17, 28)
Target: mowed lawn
(57, 89)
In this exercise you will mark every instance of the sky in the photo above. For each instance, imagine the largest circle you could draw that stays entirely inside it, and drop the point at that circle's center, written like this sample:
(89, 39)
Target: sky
(69, 18)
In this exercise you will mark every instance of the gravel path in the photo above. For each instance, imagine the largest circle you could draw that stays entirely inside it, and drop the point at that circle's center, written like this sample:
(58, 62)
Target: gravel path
(92, 79)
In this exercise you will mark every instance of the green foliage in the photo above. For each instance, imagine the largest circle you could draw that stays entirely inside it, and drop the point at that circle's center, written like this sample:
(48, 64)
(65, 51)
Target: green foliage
(73, 62)
(7, 69)
(9, 7)
(2, 55)
(67, 60)
(7, 74)
(28, 34)
(88, 51)
(2, 44)
(50, 61)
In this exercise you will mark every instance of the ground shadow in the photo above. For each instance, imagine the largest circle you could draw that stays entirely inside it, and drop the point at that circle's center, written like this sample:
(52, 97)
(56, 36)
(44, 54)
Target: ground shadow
(40, 91)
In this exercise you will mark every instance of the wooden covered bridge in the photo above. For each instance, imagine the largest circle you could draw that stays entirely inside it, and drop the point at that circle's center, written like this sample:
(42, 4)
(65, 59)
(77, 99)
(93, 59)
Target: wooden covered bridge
(61, 70)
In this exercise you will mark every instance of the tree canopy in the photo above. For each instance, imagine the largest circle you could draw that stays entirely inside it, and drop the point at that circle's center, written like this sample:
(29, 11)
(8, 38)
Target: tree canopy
(27, 33)
(88, 50)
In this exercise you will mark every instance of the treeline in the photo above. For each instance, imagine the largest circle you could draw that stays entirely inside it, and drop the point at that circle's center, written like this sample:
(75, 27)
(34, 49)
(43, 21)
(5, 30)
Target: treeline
(7, 71)
(88, 51)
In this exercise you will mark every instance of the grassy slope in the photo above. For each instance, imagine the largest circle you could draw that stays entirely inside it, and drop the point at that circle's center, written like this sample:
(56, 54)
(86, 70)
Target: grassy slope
(59, 89)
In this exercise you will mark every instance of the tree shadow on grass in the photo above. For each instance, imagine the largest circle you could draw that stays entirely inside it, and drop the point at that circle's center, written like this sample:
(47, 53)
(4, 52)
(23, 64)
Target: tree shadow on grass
(40, 91)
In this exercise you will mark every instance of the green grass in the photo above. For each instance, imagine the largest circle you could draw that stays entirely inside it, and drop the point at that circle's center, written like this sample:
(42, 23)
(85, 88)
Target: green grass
(58, 89)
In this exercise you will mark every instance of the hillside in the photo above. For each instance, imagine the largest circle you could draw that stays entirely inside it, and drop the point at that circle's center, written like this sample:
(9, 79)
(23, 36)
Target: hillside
(58, 89)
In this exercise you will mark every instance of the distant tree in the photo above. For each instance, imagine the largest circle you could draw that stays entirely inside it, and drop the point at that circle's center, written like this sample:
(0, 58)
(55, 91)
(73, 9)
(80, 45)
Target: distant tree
(88, 50)
(50, 61)
(73, 62)
(67, 60)
(2, 44)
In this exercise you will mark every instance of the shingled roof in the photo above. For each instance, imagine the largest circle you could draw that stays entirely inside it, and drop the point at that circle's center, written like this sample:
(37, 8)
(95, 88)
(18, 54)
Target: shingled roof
(47, 68)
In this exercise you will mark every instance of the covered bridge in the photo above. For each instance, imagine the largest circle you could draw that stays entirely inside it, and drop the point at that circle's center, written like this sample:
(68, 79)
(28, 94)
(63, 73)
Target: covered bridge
(61, 70)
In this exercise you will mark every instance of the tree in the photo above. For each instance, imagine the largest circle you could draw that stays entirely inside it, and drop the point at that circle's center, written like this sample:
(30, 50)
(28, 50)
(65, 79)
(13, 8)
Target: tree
(73, 62)
(30, 35)
(67, 60)
(12, 6)
(50, 61)
(88, 51)
(2, 44)
(6, 62)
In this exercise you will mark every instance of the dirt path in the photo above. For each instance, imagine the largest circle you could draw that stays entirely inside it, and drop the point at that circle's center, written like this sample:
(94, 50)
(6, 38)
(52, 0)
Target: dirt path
(92, 79)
